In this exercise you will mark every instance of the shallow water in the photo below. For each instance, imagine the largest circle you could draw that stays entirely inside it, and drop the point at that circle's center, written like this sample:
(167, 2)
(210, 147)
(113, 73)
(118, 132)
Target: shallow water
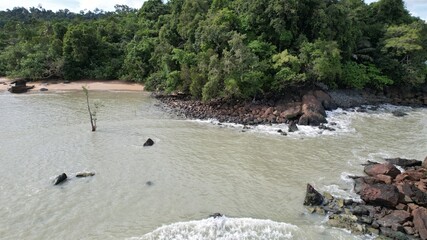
(257, 178)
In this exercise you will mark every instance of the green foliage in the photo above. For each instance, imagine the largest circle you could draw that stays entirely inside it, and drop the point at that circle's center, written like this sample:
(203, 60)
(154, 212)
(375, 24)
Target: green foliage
(288, 71)
(221, 48)
(321, 61)
(359, 76)
(405, 45)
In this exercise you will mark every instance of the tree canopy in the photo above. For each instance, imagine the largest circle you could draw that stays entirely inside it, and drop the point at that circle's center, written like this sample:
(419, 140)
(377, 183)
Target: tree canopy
(221, 48)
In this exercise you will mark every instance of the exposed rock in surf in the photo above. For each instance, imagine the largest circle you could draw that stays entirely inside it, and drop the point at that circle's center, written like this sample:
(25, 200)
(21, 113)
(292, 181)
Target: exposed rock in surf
(324, 127)
(60, 179)
(216, 215)
(398, 113)
(149, 143)
(393, 205)
(405, 163)
(293, 127)
(383, 169)
(347, 221)
(313, 112)
(85, 174)
(312, 197)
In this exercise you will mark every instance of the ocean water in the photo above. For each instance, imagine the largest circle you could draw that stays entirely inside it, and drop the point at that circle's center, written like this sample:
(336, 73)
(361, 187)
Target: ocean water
(255, 177)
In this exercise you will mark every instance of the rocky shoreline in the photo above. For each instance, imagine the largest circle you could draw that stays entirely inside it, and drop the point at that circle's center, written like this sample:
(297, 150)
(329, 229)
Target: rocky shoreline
(302, 106)
(394, 202)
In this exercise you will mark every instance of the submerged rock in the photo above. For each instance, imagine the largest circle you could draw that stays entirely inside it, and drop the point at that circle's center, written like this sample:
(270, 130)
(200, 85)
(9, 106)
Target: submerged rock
(60, 179)
(149, 183)
(84, 174)
(149, 142)
(398, 113)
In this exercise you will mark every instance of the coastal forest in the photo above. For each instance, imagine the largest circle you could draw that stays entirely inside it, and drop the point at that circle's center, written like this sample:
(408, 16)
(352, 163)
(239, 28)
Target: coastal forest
(221, 48)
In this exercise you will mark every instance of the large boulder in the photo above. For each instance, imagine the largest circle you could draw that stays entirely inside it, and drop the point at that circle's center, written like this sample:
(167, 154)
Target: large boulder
(380, 195)
(418, 196)
(420, 222)
(383, 169)
(292, 112)
(412, 175)
(313, 112)
(326, 100)
(397, 217)
(361, 182)
(312, 197)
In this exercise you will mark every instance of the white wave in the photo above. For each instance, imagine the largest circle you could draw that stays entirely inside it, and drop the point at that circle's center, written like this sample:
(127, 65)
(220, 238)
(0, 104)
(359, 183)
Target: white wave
(224, 228)
(338, 120)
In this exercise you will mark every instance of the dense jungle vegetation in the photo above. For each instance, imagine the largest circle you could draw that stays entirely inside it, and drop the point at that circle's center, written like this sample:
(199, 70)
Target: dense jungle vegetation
(221, 48)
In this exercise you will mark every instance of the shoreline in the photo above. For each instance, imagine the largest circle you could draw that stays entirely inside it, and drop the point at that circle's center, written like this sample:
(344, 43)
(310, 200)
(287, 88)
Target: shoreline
(62, 85)
(303, 107)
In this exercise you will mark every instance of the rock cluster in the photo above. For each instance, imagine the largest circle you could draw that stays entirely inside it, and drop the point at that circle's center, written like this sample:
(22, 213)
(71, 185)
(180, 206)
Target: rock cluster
(307, 109)
(394, 203)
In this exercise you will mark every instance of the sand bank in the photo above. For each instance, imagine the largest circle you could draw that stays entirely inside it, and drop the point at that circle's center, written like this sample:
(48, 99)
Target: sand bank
(96, 85)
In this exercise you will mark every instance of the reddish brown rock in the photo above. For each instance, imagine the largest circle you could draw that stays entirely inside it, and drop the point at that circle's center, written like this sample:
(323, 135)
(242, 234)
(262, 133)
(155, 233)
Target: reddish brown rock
(325, 99)
(422, 185)
(424, 165)
(417, 196)
(380, 195)
(292, 112)
(383, 168)
(396, 217)
(384, 178)
(420, 221)
(313, 112)
(267, 112)
(412, 206)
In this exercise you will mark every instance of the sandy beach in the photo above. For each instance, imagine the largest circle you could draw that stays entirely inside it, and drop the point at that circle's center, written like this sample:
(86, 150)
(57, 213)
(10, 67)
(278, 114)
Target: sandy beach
(95, 85)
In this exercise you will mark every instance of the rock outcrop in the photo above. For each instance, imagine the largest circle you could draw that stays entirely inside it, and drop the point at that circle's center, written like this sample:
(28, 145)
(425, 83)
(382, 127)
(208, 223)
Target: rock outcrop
(304, 108)
(394, 203)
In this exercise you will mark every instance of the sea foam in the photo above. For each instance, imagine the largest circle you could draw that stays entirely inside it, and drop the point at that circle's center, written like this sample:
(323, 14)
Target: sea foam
(224, 228)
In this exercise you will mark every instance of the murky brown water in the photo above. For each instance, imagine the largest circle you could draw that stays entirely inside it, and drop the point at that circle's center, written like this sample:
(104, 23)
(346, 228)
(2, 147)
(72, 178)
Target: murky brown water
(256, 178)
